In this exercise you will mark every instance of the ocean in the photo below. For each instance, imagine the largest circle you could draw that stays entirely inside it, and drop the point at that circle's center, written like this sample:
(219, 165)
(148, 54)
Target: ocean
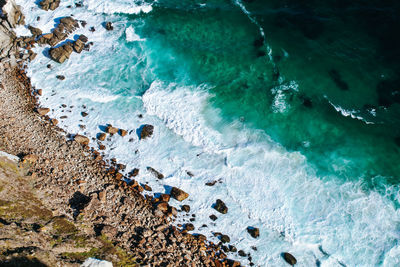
(292, 107)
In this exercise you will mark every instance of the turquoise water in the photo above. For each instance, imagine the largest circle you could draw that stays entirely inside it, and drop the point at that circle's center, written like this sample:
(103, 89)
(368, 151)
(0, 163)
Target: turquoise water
(292, 106)
(217, 45)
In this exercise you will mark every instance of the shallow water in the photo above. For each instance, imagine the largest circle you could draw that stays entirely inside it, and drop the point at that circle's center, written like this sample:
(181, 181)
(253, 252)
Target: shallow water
(291, 107)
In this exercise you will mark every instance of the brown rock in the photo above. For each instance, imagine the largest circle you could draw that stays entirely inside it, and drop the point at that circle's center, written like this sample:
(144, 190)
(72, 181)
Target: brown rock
(35, 31)
(155, 173)
(54, 121)
(163, 206)
(42, 111)
(81, 139)
(220, 206)
(289, 258)
(253, 231)
(179, 194)
(84, 114)
(101, 136)
(111, 130)
(62, 53)
(78, 46)
(213, 217)
(146, 131)
(211, 183)
(30, 158)
(60, 77)
(165, 197)
(185, 208)
(49, 4)
(102, 196)
(189, 227)
(40, 92)
(134, 172)
(102, 147)
(123, 132)
(147, 187)
(109, 26)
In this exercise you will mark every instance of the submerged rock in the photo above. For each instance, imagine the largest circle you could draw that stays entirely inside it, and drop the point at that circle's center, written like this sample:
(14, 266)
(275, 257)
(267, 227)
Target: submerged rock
(220, 206)
(289, 258)
(179, 194)
(159, 175)
(109, 26)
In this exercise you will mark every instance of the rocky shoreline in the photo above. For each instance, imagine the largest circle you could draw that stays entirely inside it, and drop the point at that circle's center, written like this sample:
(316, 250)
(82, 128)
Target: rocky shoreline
(72, 180)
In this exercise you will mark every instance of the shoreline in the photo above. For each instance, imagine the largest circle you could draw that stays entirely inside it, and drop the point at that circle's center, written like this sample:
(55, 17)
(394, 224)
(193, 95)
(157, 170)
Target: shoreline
(81, 186)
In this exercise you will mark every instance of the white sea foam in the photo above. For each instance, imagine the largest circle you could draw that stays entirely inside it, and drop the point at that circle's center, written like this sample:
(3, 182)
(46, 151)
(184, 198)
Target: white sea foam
(131, 36)
(315, 218)
(119, 6)
(352, 113)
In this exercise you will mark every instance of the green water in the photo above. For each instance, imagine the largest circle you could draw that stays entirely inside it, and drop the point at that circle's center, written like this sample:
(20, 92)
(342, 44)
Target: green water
(322, 57)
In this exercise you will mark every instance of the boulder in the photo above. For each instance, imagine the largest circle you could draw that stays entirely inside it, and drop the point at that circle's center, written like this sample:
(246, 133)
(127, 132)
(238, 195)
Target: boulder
(179, 194)
(225, 239)
(60, 77)
(78, 46)
(253, 231)
(165, 197)
(185, 208)
(123, 132)
(42, 111)
(49, 4)
(62, 53)
(35, 31)
(289, 258)
(220, 206)
(111, 130)
(101, 136)
(155, 173)
(134, 172)
(83, 38)
(83, 140)
(213, 217)
(109, 26)
(163, 206)
(147, 187)
(146, 131)
(189, 226)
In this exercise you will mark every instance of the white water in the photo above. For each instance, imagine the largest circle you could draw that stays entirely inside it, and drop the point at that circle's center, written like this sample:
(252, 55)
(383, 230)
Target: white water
(263, 185)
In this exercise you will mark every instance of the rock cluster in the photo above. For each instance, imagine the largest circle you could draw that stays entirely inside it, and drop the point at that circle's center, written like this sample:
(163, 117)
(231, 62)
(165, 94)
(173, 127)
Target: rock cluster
(49, 4)
(66, 26)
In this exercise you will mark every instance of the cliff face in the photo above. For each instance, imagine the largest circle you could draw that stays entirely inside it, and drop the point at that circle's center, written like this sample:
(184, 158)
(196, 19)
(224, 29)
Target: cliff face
(11, 16)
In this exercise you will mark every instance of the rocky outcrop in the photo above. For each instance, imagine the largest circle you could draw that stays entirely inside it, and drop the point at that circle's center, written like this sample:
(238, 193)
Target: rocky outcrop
(220, 206)
(49, 4)
(13, 14)
(61, 53)
(179, 194)
(146, 131)
(66, 26)
(42, 111)
(289, 258)
(35, 31)
(253, 231)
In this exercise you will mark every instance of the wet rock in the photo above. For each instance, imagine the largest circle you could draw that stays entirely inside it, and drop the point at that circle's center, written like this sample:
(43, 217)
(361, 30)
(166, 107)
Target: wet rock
(101, 136)
(62, 53)
(213, 217)
(155, 173)
(111, 130)
(35, 31)
(134, 172)
(165, 197)
(220, 206)
(40, 92)
(225, 239)
(123, 132)
(189, 226)
(211, 183)
(109, 26)
(242, 253)
(289, 258)
(147, 187)
(83, 38)
(179, 194)
(253, 231)
(163, 206)
(84, 114)
(49, 4)
(60, 77)
(92, 29)
(185, 208)
(146, 131)
(78, 46)
(42, 111)
(54, 121)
